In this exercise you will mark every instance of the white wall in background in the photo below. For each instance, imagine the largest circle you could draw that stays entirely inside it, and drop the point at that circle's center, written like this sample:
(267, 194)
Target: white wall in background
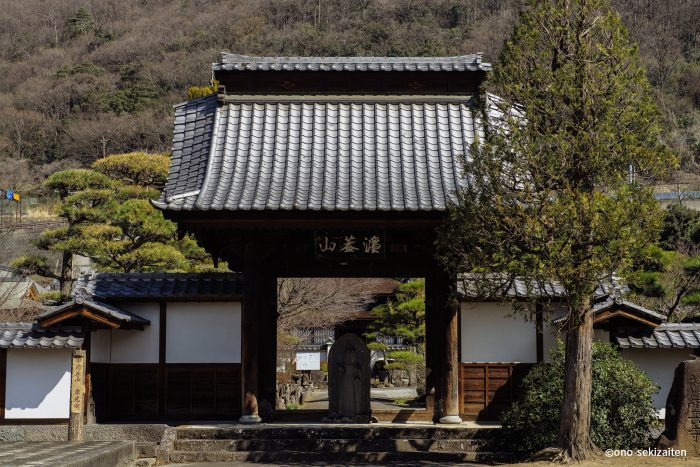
(101, 345)
(132, 345)
(38, 383)
(488, 334)
(659, 365)
(203, 332)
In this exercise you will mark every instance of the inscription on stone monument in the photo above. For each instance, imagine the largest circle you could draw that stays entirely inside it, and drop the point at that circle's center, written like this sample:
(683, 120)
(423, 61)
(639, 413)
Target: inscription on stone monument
(683, 410)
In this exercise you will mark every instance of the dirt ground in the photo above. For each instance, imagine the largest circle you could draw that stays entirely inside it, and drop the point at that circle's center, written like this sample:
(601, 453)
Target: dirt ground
(634, 461)
(615, 462)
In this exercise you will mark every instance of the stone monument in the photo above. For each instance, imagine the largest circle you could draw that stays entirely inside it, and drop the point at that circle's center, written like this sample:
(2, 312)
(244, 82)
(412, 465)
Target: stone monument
(349, 381)
(683, 410)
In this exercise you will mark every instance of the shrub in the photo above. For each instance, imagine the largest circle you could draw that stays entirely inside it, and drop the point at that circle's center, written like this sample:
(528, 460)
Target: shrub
(52, 298)
(622, 412)
(195, 92)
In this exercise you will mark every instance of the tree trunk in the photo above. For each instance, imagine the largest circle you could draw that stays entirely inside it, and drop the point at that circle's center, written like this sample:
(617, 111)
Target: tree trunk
(575, 424)
(66, 278)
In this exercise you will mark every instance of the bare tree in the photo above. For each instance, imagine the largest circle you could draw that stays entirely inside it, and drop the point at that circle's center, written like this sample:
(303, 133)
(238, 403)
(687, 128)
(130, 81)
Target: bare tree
(308, 303)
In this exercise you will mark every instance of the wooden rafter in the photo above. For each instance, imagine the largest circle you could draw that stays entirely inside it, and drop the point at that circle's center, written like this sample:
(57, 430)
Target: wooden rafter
(82, 311)
(609, 314)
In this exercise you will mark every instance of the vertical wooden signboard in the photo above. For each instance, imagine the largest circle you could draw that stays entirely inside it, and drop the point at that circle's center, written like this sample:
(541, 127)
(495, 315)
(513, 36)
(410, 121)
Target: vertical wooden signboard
(76, 429)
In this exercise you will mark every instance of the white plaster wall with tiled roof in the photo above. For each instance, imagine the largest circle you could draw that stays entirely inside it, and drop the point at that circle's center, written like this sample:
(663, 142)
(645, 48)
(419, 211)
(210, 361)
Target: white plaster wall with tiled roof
(129, 345)
(37, 384)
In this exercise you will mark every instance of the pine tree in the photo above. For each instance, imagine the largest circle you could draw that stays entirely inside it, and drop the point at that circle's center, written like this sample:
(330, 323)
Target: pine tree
(109, 219)
(81, 23)
(402, 317)
(550, 197)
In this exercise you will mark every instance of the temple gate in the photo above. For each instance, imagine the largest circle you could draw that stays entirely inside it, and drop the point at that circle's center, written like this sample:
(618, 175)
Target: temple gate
(327, 167)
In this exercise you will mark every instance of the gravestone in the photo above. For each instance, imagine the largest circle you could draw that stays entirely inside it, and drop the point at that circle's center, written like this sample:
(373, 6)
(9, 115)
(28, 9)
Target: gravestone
(683, 410)
(349, 381)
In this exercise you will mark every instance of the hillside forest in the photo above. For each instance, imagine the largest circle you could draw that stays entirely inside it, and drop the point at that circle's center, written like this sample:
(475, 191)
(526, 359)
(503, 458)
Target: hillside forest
(85, 78)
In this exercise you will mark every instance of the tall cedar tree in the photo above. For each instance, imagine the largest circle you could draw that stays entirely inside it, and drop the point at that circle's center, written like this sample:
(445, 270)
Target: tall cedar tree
(549, 195)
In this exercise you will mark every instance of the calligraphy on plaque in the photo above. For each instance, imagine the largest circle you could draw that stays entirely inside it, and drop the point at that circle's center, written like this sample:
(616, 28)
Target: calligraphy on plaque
(349, 244)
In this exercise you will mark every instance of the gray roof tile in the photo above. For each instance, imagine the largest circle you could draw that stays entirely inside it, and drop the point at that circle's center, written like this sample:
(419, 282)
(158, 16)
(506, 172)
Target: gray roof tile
(239, 62)
(381, 153)
(190, 155)
(33, 336)
(667, 335)
(606, 302)
(107, 286)
(494, 286)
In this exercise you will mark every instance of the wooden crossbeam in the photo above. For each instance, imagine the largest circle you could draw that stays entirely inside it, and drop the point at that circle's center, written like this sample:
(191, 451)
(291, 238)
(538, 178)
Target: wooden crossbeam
(83, 311)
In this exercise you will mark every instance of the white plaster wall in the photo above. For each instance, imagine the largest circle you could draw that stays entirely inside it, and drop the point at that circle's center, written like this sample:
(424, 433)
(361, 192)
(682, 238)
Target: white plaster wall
(203, 332)
(38, 383)
(100, 345)
(488, 334)
(132, 345)
(659, 365)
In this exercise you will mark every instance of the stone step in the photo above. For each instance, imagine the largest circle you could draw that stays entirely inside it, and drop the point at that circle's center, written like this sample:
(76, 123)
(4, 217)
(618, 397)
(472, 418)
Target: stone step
(145, 462)
(336, 432)
(335, 445)
(145, 449)
(67, 454)
(178, 457)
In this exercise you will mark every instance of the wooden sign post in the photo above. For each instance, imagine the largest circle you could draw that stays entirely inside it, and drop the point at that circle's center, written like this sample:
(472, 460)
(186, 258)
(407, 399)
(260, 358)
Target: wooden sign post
(76, 430)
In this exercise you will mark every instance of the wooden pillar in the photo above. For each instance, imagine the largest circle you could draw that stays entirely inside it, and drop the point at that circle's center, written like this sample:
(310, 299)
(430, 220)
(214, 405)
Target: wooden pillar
(90, 418)
(162, 377)
(76, 429)
(449, 310)
(433, 341)
(250, 336)
(267, 369)
(3, 380)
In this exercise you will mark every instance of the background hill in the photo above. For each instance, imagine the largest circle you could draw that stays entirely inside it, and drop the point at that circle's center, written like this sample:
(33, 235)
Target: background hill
(79, 78)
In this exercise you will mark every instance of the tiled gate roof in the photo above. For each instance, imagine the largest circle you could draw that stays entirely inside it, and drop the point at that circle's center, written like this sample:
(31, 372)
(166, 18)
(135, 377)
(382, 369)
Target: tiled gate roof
(356, 153)
(237, 62)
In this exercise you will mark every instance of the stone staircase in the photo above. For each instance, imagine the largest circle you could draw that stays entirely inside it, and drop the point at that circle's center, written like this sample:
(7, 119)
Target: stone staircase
(337, 443)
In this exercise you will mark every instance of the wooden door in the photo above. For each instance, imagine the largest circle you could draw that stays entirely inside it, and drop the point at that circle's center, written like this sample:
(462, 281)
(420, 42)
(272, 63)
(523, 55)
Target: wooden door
(488, 389)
